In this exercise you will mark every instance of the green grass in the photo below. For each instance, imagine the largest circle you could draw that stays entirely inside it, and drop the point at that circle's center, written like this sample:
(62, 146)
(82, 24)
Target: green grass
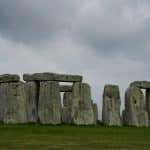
(38, 137)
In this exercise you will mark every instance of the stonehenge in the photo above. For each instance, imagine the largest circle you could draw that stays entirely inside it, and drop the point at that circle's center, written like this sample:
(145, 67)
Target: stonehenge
(111, 105)
(41, 98)
(37, 99)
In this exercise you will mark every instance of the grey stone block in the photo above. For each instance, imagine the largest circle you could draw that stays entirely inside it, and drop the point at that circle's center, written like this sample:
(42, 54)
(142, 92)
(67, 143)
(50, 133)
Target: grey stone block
(49, 105)
(111, 105)
(13, 103)
(52, 77)
(135, 113)
(9, 78)
(32, 101)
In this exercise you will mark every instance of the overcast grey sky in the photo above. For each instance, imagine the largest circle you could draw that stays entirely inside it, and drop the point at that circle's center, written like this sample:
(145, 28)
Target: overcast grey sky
(106, 41)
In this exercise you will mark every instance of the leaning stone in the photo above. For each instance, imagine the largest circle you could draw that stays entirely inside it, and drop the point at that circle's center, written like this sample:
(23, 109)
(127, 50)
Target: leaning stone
(148, 103)
(65, 88)
(49, 105)
(9, 78)
(135, 113)
(111, 105)
(66, 111)
(52, 77)
(82, 110)
(141, 84)
(32, 101)
(13, 103)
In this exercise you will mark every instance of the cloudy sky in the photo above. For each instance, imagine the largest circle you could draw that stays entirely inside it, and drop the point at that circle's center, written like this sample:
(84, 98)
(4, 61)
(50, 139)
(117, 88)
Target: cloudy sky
(106, 41)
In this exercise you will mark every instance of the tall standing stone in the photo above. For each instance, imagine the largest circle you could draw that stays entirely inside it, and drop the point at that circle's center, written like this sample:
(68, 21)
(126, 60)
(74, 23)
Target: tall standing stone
(82, 110)
(111, 105)
(66, 111)
(32, 101)
(135, 113)
(13, 103)
(49, 106)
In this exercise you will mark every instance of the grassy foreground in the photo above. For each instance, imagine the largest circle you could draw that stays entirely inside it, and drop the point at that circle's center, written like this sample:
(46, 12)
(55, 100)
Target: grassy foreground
(38, 137)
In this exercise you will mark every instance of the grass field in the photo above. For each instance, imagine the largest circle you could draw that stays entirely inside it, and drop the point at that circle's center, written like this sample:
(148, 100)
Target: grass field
(38, 137)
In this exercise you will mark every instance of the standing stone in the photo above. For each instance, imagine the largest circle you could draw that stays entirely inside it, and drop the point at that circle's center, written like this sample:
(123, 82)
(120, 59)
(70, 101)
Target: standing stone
(13, 103)
(148, 102)
(111, 105)
(49, 106)
(135, 113)
(32, 101)
(95, 109)
(66, 111)
(82, 110)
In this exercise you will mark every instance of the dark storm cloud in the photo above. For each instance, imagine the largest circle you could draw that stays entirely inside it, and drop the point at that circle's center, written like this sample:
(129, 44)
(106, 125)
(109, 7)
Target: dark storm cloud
(31, 21)
(105, 26)
(114, 25)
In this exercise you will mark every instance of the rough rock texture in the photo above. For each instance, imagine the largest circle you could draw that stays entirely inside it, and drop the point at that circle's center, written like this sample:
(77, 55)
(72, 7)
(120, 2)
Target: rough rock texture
(82, 110)
(9, 78)
(111, 105)
(141, 84)
(95, 109)
(52, 77)
(135, 113)
(148, 103)
(66, 111)
(13, 103)
(49, 105)
(65, 88)
(32, 101)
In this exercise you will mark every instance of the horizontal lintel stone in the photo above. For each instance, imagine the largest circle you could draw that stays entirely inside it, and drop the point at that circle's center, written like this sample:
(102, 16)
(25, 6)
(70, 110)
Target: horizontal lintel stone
(52, 77)
(141, 84)
(66, 88)
(9, 78)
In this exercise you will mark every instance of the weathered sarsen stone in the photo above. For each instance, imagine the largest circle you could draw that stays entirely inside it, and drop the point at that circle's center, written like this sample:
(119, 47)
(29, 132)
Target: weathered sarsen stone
(95, 109)
(5, 78)
(111, 105)
(52, 77)
(13, 103)
(81, 108)
(148, 103)
(32, 101)
(49, 105)
(66, 111)
(141, 84)
(135, 113)
(65, 88)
